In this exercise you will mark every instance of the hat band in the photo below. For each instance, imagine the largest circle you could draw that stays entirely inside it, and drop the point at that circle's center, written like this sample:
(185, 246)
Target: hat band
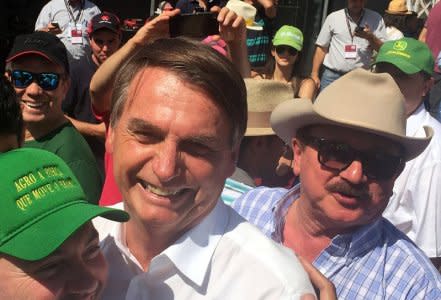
(259, 119)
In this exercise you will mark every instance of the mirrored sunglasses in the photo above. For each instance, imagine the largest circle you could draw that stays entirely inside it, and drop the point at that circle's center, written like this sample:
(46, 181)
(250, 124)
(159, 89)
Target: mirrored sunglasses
(47, 80)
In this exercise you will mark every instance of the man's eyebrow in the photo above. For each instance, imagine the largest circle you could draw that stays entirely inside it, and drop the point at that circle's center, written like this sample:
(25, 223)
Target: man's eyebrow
(136, 124)
(203, 140)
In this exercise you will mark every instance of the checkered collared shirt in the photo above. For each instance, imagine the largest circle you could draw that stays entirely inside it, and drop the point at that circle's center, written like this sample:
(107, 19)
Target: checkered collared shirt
(377, 261)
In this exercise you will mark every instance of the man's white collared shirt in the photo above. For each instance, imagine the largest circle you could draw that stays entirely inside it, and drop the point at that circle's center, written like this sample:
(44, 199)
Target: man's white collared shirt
(415, 206)
(223, 257)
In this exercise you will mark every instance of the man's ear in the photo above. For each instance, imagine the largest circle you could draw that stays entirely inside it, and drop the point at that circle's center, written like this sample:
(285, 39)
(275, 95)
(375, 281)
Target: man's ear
(298, 149)
(8, 76)
(428, 84)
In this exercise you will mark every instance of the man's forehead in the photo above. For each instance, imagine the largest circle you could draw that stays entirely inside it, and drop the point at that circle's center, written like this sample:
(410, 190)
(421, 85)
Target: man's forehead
(147, 79)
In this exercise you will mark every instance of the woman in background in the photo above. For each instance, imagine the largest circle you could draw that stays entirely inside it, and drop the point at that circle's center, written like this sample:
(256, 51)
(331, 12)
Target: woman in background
(284, 63)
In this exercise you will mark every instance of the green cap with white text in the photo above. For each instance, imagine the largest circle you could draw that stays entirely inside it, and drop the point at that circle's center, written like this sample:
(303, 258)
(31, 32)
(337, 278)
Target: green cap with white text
(289, 36)
(407, 54)
(41, 204)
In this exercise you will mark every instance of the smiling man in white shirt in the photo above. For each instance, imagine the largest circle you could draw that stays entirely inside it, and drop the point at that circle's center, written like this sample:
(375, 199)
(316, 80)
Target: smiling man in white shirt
(178, 115)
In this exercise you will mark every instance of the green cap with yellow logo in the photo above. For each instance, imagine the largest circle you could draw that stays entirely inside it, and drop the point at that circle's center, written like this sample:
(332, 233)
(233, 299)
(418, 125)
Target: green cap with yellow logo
(41, 204)
(407, 54)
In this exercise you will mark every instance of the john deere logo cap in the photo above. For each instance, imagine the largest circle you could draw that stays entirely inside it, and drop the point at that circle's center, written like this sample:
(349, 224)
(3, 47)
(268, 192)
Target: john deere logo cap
(400, 45)
(407, 54)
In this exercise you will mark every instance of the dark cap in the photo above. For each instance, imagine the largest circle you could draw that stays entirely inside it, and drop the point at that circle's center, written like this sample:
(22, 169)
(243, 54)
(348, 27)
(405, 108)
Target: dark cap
(104, 20)
(41, 43)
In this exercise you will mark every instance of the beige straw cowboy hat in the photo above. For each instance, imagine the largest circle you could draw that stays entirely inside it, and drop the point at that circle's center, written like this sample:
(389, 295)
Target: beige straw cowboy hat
(360, 100)
(398, 7)
(262, 97)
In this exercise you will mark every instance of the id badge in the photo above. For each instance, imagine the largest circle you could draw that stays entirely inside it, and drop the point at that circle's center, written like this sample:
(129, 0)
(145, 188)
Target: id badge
(77, 34)
(350, 51)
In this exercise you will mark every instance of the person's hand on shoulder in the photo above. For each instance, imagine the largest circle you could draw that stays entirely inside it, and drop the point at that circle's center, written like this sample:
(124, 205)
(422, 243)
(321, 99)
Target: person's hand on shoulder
(324, 288)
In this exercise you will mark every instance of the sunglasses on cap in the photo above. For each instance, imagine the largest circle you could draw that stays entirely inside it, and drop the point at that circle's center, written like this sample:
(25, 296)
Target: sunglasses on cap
(338, 156)
(47, 80)
(284, 48)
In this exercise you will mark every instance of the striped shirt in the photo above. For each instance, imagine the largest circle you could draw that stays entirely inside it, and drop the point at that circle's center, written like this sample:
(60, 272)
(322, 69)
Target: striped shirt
(377, 261)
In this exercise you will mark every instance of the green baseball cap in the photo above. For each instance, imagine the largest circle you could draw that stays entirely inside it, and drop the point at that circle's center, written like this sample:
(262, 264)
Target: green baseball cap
(407, 54)
(289, 36)
(41, 204)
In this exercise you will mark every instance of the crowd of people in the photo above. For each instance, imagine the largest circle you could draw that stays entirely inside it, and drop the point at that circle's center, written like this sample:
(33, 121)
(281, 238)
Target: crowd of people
(216, 168)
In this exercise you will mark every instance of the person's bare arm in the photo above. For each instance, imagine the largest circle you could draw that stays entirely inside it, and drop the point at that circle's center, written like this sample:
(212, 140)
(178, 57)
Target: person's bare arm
(233, 31)
(423, 34)
(270, 7)
(89, 129)
(317, 61)
(102, 81)
(308, 89)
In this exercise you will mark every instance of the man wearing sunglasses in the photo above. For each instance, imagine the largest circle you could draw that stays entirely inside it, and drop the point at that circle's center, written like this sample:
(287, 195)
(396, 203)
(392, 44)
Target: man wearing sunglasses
(415, 205)
(38, 68)
(349, 147)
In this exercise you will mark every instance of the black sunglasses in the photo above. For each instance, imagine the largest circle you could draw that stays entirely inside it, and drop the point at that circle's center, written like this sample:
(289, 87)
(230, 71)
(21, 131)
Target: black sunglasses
(338, 156)
(283, 48)
(47, 81)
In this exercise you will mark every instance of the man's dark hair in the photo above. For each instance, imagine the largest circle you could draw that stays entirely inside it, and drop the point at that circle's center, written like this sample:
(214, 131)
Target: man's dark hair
(397, 21)
(11, 121)
(196, 64)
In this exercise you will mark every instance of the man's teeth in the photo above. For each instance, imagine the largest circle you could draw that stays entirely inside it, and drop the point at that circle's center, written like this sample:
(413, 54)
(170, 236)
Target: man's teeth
(161, 192)
(34, 105)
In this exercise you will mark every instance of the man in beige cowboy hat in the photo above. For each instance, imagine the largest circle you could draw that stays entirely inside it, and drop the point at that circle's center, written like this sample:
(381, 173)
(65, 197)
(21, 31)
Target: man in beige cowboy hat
(349, 147)
(261, 148)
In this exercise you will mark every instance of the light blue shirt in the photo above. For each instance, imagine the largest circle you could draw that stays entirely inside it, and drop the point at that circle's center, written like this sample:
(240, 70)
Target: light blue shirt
(377, 261)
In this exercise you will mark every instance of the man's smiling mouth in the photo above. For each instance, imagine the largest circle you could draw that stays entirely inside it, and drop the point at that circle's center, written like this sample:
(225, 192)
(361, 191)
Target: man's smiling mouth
(163, 192)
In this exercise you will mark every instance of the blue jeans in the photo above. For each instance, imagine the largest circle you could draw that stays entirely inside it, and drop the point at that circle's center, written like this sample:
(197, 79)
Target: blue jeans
(328, 76)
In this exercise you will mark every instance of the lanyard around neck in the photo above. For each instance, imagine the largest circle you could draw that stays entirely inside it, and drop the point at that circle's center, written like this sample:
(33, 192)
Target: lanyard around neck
(349, 25)
(71, 13)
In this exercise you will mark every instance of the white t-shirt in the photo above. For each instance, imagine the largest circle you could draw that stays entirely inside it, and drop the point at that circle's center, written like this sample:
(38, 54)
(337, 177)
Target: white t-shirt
(223, 257)
(393, 33)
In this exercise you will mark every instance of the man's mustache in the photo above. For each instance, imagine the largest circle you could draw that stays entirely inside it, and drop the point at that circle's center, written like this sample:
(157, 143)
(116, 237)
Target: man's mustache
(360, 191)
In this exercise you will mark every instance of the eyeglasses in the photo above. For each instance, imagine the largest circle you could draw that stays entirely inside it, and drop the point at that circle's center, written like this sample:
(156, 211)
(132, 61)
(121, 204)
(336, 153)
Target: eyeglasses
(339, 156)
(283, 48)
(47, 81)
